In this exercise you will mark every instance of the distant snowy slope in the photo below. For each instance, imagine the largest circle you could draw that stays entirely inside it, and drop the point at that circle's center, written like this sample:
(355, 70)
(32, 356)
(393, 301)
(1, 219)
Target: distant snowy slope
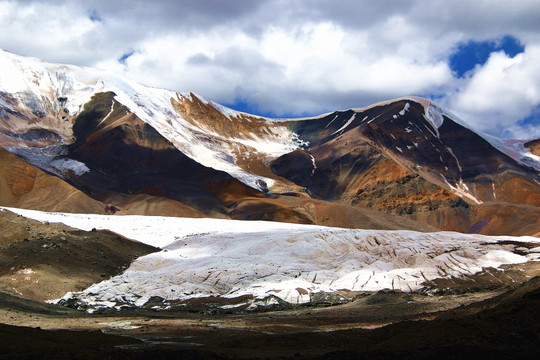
(263, 260)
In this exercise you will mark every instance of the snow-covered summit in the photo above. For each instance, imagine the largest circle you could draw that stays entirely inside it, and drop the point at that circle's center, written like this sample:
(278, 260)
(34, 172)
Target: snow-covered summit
(44, 89)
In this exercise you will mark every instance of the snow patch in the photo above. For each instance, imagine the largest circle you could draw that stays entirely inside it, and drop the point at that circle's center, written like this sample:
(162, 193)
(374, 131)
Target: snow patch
(345, 125)
(152, 230)
(462, 190)
(109, 114)
(434, 114)
(375, 118)
(10, 79)
(26, 271)
(49, 159)
(455, 158)
(327, 125)
(66, 165)
(314, 164)
(405, 109)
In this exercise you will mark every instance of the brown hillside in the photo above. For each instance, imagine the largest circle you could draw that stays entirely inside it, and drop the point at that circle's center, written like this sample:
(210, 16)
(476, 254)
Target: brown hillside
(25, 186)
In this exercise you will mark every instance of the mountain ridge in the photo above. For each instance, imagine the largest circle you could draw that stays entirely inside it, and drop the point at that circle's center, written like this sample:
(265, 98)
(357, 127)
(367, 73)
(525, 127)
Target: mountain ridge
(120, 143)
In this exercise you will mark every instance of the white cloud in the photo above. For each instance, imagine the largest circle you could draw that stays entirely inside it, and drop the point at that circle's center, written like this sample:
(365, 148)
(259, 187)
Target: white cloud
(296, 57)
(500, 93)
(63, 32)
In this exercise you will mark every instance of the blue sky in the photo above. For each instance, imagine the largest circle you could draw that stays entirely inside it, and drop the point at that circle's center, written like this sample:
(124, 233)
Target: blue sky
(474, 53)
(479, 59)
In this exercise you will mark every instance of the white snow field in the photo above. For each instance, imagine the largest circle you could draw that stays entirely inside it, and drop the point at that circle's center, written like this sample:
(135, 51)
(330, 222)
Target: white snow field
(265, 260)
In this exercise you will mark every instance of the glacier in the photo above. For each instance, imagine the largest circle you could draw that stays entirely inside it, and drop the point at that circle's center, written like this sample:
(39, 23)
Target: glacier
(264, 260)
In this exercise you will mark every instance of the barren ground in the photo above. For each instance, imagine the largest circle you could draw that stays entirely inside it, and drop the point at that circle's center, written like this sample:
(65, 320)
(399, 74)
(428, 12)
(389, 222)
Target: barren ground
(496, 323)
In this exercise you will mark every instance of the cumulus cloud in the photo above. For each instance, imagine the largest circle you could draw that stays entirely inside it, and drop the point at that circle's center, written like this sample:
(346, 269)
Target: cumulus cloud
(298, 57)
(503, 88)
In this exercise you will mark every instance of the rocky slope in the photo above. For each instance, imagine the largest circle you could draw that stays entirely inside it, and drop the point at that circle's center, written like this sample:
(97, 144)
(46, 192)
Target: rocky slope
(128, 149)
(43, 261)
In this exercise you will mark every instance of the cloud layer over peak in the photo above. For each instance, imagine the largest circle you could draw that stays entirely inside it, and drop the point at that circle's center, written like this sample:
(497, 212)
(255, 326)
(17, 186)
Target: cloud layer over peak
(294, 58)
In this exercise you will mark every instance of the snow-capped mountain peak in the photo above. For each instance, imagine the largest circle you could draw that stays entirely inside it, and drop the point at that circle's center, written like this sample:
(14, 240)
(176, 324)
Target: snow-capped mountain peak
(60, 118)
(40, 89)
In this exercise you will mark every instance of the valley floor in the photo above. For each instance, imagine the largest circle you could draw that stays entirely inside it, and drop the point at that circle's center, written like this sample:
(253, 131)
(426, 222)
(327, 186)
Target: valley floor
(497, 323)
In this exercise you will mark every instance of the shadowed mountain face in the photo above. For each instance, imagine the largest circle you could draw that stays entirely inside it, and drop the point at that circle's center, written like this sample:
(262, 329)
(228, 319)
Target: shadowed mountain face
(129, 157)
(127, 149)
(393, 158)
(449, 155)
(132, 169)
